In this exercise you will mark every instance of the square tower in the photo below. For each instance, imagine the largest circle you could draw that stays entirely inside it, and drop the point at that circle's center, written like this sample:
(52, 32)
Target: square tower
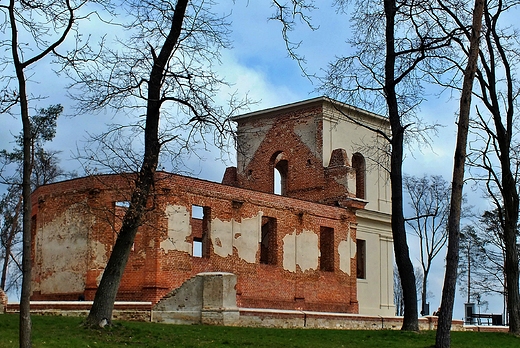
(328, 152)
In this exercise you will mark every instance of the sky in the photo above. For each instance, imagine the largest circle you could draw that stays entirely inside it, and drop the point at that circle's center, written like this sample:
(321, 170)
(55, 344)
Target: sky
(258, 64)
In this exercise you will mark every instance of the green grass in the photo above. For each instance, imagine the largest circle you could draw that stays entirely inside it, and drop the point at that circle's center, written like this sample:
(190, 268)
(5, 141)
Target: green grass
(50, 331)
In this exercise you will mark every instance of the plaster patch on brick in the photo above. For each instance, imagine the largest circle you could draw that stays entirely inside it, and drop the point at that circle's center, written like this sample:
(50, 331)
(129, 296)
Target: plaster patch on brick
(98, 278)
(289, 251)
(98, 254)
(252, 139)
(248, 237)
(64, 282)
(306, 131)
(222, 237)
(179, 229)
(302, 250)
(65, 238)
(346, 250)
(244, 236)
(308, 251)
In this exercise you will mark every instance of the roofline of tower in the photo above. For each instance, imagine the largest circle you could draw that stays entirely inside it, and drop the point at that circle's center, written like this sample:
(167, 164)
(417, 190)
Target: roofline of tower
(298, 104)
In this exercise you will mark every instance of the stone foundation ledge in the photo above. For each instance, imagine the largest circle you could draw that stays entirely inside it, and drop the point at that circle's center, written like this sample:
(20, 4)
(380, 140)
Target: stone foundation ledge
(257, 317)
(131, 311)
(251, 317)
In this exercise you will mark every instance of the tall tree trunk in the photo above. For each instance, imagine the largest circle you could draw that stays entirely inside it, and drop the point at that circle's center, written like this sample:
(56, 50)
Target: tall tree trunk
(25, 297)
(424, 292)
(106, 293)
(504, 131)
(510, 196)
(509, 190)
(443, 338)
(401, 251)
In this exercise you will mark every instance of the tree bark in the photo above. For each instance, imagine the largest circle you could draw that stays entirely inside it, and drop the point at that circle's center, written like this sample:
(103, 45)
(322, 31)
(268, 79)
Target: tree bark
(424, 292)
(510, 196)
(443, 338)
(401, 250)
(106, 293)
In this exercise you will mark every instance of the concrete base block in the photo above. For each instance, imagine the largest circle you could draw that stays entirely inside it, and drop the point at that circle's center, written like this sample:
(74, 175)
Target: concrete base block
(177, 317)
(227, 317)
(208, 298)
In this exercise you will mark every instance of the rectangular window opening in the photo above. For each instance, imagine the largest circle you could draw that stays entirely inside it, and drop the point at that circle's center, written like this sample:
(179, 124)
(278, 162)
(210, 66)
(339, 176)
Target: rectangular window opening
(197, 212)
(119, 211)
(200, 227)
(197, 247)
(268, 244)
(361, 258)
(327, 249)
(122, 204)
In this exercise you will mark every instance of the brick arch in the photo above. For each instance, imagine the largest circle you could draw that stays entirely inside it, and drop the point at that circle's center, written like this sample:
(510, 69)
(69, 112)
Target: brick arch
(359, 165)
(280, 163)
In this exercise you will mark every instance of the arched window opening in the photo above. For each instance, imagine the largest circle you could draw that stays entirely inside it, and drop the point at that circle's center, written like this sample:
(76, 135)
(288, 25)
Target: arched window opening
(358, 163)
(277, 182)
(280, 175)
(280, 169)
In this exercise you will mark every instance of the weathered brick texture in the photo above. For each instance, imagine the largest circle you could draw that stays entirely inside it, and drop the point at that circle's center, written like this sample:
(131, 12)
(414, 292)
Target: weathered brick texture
(152, 271)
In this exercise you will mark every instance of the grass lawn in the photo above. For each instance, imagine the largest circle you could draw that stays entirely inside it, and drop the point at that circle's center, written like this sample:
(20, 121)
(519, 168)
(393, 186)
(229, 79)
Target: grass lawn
(50, 331)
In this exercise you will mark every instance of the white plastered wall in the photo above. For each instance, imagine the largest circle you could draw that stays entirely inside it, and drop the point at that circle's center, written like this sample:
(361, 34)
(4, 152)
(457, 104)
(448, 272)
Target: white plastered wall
(62, 250)
(375, 293)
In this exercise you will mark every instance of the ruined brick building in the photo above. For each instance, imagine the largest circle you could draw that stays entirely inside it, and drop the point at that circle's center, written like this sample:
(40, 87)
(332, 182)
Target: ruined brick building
(322, 242)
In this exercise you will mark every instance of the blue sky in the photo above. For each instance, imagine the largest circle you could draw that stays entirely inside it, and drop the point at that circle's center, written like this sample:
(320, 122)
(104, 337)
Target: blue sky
(258, 64)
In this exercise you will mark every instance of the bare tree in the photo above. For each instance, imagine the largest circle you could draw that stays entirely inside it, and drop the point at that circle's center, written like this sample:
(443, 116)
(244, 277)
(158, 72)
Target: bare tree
(499, 96)
(398, 294)
(482, 259)
(44, 25)
(393, 39)
(443, 338)
(495, 126)
(471, 259)
(164, 71)
(429, 199)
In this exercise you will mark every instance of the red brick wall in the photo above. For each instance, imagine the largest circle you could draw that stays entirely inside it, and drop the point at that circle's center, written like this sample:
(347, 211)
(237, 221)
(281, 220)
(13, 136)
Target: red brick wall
(151, 272)
(305, 171)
